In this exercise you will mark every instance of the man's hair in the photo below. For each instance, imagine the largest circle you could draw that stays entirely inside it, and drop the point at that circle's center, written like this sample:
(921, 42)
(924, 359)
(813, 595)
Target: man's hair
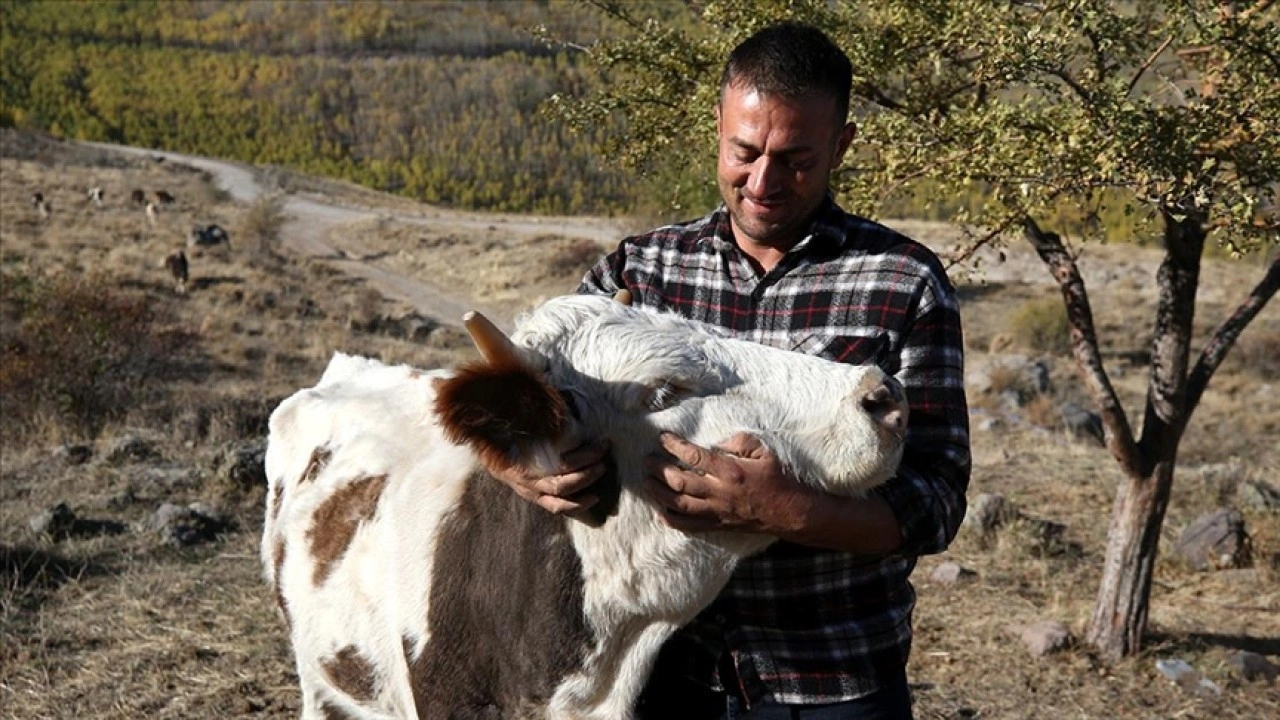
(791, 59)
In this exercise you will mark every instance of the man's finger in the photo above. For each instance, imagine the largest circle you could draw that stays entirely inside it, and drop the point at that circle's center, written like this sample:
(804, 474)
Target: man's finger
(566, 484)
(674, 501)
(744, 445)
(583, 455)
(559, 505)
(693, 456)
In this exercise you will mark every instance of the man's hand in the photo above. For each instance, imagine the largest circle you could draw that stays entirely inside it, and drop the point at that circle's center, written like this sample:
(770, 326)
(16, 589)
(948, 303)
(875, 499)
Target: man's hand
(565, 491)
(739, 485)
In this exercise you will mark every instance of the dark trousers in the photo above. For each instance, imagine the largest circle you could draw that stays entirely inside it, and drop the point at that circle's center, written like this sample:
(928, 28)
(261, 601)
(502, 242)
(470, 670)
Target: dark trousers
(674, 699)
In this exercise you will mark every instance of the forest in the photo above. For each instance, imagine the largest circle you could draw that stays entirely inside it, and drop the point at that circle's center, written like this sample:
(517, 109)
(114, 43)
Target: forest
(440, 101)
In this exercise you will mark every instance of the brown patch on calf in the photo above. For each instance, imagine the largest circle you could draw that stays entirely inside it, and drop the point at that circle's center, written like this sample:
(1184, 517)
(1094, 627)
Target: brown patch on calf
(351, 673)
(329, 711)
(277, 561)
(277, 499)
(335, 522)
(501, 411)
(506, 609)
(319, 459)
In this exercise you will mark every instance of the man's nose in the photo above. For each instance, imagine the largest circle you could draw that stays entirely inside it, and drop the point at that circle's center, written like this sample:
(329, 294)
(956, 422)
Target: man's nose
(765, 176)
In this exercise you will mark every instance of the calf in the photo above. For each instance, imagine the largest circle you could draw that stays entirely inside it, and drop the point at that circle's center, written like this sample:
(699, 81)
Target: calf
(416, 585)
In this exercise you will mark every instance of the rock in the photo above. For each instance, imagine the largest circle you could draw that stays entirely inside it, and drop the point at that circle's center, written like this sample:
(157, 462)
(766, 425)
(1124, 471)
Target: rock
(1043, 636)
(989, 512)
(1216, 540)
(123, 499)
(242, 466)
(950, 573)
(1014, 378)
(1252, 666)
(1082, 424)
(1186, 677)
(73, 453)
(1223, 473)
(131, 448)
(1036, 378)
(57, 522)
(187, 526)
(411, 326)
(1259, 496)
(163, 481)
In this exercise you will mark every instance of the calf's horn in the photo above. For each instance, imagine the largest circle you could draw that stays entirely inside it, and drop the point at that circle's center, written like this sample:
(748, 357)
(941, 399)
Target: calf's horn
(494, 346)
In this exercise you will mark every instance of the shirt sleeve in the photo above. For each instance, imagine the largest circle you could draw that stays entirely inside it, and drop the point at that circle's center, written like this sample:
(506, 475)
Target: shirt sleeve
(928, 493)
(605, 277)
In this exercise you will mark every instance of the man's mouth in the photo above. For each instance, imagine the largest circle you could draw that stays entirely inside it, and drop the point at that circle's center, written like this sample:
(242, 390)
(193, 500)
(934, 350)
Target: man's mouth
(764, 205)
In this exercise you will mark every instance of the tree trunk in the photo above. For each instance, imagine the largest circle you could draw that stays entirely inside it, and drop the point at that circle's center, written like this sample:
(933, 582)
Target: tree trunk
(1120, 612)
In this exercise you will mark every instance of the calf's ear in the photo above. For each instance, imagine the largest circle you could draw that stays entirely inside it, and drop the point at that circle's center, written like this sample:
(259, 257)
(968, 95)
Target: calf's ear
(507, 413)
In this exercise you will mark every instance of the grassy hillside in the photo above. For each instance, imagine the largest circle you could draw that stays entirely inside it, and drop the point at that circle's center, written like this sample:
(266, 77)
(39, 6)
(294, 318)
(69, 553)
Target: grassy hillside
(436, 101)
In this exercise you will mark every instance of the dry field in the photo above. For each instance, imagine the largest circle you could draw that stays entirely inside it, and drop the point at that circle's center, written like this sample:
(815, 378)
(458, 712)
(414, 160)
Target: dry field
(109, 620)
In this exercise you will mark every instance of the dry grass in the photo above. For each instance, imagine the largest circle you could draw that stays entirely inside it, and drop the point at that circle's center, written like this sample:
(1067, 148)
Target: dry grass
(122, 626)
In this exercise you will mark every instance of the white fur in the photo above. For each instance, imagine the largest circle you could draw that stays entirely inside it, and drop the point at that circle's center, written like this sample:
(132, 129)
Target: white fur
(633, 373)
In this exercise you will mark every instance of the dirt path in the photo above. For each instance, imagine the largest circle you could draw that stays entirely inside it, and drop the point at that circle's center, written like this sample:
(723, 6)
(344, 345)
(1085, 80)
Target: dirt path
(313, 220)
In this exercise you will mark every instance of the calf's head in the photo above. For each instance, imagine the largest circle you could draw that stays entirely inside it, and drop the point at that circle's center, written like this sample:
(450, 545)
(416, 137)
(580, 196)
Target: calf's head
(581, 367)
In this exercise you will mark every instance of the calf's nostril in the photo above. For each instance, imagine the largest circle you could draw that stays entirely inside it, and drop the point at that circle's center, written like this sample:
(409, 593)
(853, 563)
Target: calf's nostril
(886, 404)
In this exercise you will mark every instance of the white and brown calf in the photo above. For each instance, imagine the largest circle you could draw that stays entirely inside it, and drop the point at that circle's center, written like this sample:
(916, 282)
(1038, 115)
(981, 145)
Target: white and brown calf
(416, 585)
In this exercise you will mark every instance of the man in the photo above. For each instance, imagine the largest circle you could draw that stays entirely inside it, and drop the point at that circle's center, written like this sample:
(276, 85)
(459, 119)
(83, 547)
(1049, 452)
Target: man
(819, 625)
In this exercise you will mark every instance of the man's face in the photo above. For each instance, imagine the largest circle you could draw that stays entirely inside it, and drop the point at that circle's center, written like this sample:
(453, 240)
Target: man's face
(776, 157)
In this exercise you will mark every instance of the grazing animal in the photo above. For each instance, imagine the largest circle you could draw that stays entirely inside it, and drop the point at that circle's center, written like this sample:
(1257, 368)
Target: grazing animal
(177, 265)
(95, 194)
(42, 205)
(138, 197)
(37, 199)
(417, 585)
(151, 213)
(163, 198)
(208, 236)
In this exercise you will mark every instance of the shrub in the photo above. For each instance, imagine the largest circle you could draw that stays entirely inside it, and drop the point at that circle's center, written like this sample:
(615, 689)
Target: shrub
(262, 223)
(1041, 324)
(76, 350)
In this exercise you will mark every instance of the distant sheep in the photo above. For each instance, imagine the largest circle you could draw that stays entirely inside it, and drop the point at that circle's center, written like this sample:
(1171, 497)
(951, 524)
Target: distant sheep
(41, 205)
(177, 266)
(208, 236)
(138, 197)
(95, 194)
(163, 198)
(151, 213)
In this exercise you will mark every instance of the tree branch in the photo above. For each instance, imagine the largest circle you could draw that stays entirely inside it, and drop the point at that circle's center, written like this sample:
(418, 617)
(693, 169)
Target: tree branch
(1226, 334)
(1084, 344)
(870, 92)
(1143, 68)
(969, 250)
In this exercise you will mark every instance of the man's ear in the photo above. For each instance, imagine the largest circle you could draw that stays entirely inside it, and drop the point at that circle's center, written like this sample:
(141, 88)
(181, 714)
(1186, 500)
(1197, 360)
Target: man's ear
(847, 134)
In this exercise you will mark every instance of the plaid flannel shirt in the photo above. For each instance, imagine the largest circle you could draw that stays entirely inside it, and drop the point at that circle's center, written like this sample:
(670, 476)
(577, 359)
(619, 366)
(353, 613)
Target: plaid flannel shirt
(803, 625)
